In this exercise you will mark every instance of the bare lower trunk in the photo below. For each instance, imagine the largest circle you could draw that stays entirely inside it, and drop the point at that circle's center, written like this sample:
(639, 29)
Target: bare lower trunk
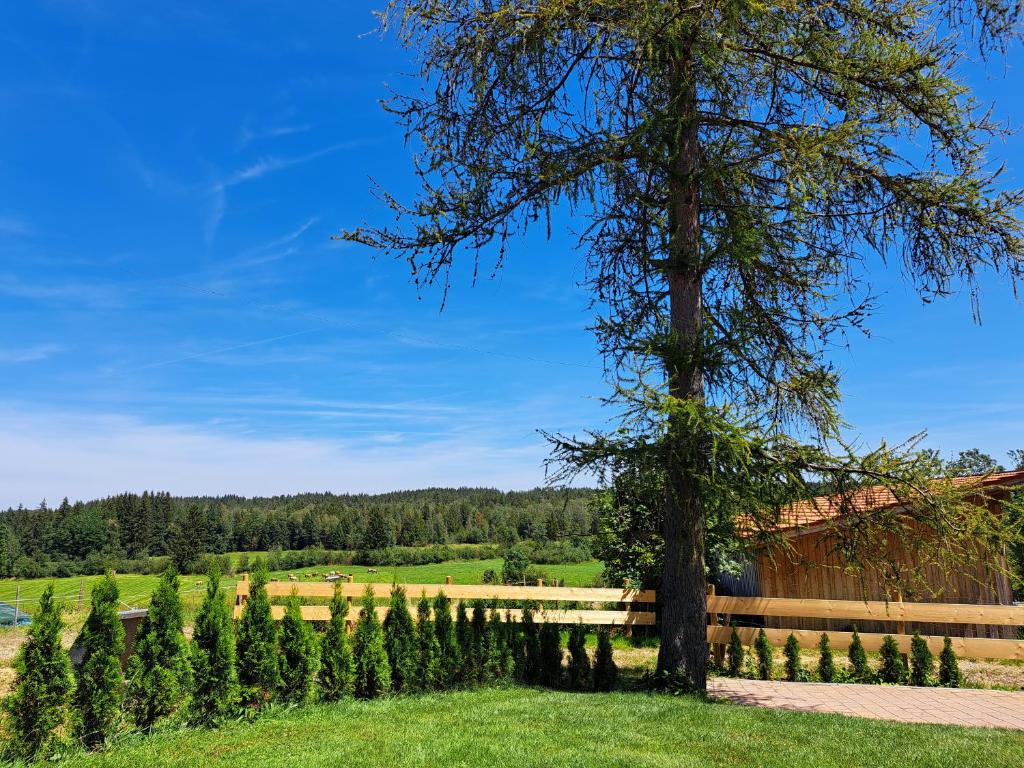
(683, 593)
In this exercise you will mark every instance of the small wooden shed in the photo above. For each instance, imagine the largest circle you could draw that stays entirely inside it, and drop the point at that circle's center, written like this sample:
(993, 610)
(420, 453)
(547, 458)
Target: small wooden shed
(813, 571)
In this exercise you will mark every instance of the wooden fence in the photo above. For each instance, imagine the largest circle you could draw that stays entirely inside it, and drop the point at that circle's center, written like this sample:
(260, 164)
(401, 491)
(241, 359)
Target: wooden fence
(635, 608)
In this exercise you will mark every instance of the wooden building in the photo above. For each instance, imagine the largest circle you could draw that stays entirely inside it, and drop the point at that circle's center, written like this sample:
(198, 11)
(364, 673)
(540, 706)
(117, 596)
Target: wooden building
(811, 570)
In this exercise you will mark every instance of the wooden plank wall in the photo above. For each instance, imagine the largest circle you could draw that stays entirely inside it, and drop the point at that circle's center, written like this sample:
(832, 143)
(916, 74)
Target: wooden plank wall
(812, 572)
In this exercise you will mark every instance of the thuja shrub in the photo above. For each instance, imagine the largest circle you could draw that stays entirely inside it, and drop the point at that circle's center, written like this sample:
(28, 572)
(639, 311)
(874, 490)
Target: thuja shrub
(550, 655)
(949, 668)
(860, 672)
(893, 667)
(530, 669)
(37, 707)
(214, 678)
(373, 670)
(99, 684)
(494, 642)
(921, 661)
(509, 638)
(826, 663)
(299, 654)
(336, 678)
(579, 663)
(428, 650)
(605, 671)
(794, 666)
(158, 671)
(449, 657)
(464, 639)
(400, 642)
(478, 641)
(259, 671)
(734, 655)
(765, 655)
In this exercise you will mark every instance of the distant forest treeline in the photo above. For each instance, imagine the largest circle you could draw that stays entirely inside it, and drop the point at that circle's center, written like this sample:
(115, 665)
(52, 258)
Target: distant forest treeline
(120, 531)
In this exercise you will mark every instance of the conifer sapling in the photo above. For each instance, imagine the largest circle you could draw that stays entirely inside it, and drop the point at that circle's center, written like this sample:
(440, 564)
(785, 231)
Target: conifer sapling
(99, 684)
(37, 706)
(448, 646)
(214, 678)
(158, 671)
(859, 670)
(794, 665)
(337, 665)
(893, 667)
(826, 663)
(428, 661)
(373, 670)
(734, 654)
(605, 671)
(765, 655)
(921, 661)
(299, 654)
(579, 662)
(949, 668)
(550, 655)
(400, 642)
(259, 672)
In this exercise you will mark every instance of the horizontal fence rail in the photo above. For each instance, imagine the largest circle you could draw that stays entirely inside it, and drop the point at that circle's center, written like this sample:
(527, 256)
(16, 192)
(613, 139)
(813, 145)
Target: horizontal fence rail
(636, 610)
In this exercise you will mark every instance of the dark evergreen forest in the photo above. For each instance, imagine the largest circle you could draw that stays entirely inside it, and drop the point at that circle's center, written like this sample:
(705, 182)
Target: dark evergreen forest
(126, 530)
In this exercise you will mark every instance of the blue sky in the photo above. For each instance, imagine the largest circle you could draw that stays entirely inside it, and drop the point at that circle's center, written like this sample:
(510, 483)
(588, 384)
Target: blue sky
(174, 314)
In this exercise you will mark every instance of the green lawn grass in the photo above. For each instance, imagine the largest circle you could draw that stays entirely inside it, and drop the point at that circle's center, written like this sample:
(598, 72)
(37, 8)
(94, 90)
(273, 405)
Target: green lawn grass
(525, 727)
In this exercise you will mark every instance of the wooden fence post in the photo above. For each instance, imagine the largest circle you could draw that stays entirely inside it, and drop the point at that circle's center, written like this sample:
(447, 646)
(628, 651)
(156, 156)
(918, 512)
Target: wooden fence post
(448, 580)
(718, 649)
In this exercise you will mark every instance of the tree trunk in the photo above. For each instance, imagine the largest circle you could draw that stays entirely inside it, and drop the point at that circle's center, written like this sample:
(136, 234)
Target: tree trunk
(683, 593)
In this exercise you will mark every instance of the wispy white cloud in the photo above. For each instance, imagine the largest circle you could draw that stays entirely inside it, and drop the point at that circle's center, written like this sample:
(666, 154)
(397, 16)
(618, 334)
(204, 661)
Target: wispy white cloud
(250, 135)
(217, 191)
(14, 226)
(31, 354)
(57, 454)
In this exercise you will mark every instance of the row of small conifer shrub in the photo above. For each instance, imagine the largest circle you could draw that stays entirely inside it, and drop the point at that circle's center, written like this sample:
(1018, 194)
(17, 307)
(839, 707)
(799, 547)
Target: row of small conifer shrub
(231, 669)
(893, 667)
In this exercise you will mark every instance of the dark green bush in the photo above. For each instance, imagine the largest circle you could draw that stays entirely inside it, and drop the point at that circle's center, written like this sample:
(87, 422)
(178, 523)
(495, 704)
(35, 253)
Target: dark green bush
(826, 663)
(550, 655)
(428, 656)
(893, 667)
(794, 666)
(464, 638)
(478, 641)
(300, 654)
(373, 669)
(605, 671)
(531, 666)
(400, 642)
(449, 657)
(579, 663)
(734, 654)
(99, 684)
(337, 665)
(860, 672)
(158, 671)
(259, 671)
(37, 707)
(214, 679)
(949, 668)
(765, 655)
(921, 661)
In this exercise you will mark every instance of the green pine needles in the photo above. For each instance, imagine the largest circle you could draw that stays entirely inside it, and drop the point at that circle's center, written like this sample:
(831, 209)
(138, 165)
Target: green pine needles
(550, 655)
(826, 663)
(464, 639)
(99, 684)
(400, 642)
(450, 659)
(579, 672)
(215, 681)
(734, 654)
(37, 707)
(794, 666)
(373, 670)
(259, 673)
(860, 672)
(921, 661)
(606, 674)
(428, 649)
(158, 671)
(893, 667)
(299, 654)
(337, 674)
(765, 655)
(949, 668)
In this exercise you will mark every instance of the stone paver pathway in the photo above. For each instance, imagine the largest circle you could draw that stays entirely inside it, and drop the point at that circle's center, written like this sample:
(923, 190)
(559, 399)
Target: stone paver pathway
(964, 706)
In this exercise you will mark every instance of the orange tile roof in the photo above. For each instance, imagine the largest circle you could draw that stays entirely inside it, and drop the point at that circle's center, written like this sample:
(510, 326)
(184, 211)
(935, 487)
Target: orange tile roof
(801, 514)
